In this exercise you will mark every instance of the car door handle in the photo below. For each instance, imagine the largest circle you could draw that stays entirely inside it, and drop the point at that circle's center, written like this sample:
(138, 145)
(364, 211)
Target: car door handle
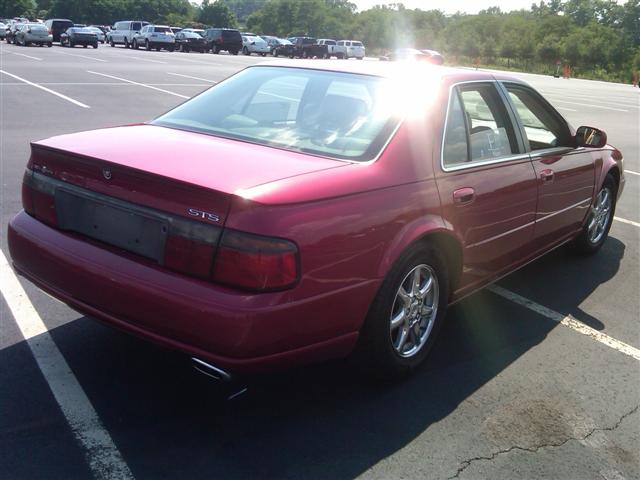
(546, 175)
(464, 196)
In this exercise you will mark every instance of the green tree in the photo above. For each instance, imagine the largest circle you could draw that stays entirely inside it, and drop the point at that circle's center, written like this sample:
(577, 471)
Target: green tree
(216, 14)
(17, 8)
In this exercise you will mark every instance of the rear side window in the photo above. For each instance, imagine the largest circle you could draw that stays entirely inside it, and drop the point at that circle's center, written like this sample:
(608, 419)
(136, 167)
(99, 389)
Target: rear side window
(357, 44)
(161, 29)
(231, 35)
(488, 131)
(455, 149)
(543, 127)
(136, 25)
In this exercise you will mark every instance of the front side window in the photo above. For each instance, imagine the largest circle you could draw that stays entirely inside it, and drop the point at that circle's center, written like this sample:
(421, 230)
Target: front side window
(543, 127)
(339, 115)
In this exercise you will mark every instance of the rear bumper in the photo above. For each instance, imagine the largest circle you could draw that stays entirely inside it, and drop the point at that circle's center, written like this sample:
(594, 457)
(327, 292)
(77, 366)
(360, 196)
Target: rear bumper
(240, 332)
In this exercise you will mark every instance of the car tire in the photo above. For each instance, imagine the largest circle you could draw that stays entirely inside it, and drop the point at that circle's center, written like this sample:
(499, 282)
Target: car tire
(95, 45)
(135, 44)
(405, 316)
(71, 44)
(263, 54)
(596, 228)
(147, 46)
(171, 49)
(245, 51)
(275, 54)
(49, 45)
(112, 43)
(85, 45)
(360, 58)
(126, 43)
(235, 52)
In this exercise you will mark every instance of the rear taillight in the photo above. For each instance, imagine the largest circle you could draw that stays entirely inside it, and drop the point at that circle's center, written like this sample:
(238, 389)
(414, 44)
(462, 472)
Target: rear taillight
(255, 262)
(38, 199)
(189, 256)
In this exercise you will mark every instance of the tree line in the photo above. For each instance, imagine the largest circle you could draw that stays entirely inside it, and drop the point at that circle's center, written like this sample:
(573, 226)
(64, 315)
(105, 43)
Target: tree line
(598, 38)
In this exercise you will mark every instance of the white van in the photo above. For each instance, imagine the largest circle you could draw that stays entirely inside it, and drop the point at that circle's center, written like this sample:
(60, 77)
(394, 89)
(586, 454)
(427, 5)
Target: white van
(350, 48)
(123, 32)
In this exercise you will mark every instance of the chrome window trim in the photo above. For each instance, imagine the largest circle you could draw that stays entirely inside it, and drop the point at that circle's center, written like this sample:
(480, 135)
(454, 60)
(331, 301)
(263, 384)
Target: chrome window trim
(478, 163)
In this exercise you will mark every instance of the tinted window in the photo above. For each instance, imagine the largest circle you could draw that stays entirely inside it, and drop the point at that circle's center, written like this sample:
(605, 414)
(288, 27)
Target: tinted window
(357, 44)
(491, 134)
(455, 149)
(136, 25)
(232, 35)
(543, 127)
(327, 113)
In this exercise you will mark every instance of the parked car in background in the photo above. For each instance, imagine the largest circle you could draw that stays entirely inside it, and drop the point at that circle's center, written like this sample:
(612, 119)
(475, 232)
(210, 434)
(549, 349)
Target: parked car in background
(199, 31)
(78, 36)
(11, 31)
(99, 33)
(175, 30)
(306, 47)
(155, 37)
(412, 54)
(123, 32)
(350, 49)
(331, 46)
(190, 41)
(280, 47)
(254, 44)
(56, 26)
(3, 30)
(227, 39)
(33, 33)
(326, 198)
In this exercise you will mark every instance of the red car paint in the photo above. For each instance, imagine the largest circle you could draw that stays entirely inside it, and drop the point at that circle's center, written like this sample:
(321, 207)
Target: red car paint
(349, 221)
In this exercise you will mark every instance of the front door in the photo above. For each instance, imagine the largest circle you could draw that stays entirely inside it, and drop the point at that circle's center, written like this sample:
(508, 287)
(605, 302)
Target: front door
(565, 174)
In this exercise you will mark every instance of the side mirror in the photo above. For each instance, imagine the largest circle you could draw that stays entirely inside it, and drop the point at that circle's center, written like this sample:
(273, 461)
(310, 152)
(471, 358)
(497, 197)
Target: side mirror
(590, 137)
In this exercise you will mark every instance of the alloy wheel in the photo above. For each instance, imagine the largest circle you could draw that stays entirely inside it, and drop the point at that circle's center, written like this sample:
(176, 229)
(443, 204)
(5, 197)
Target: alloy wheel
(600, 215)
(414, 311)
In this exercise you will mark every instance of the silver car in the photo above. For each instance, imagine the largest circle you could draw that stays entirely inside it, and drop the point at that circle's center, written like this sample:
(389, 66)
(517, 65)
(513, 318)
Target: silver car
(35, 33)
(100, 34)
(155, 36)
(254, 44)
(3, 30)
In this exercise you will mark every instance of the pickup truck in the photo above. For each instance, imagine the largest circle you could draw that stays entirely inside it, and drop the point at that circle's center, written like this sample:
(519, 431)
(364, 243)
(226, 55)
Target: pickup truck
(331, 46)
(307, 47)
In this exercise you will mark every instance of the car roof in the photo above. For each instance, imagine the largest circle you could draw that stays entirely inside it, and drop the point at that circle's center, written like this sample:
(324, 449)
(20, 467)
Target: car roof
(391, 70)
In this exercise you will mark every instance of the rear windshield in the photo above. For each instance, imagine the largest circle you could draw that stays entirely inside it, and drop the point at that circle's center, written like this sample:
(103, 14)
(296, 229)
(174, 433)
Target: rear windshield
(329, 42)
(231, 35)
(61, 24)
(162, 30)
(38, 27)
(308, 41)
(191, 35)
(339, 115)
(356, 44)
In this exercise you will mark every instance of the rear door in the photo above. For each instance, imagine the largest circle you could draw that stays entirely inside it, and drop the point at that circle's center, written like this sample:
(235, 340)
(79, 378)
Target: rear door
(486, 182)
(565, 174)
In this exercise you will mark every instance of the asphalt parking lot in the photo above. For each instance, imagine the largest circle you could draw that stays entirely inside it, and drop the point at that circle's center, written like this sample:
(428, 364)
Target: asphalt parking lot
(538, 377)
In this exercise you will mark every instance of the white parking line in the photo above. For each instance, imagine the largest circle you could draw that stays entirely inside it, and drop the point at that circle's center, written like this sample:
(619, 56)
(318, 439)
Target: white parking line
(23, 55)
(64, 97)
(147, 60)
(628, 222)
(568, 321)
(105, 461)
(139, 84)
(81, 56)
(632, 172)
(189, 76)
(111, 84)
(591, 105)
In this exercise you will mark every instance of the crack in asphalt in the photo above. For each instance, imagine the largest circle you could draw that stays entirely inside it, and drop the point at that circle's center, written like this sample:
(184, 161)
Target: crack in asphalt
(464, 465)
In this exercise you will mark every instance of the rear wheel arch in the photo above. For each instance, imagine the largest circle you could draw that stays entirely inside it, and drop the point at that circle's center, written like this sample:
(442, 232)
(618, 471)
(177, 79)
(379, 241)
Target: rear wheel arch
(443, 241)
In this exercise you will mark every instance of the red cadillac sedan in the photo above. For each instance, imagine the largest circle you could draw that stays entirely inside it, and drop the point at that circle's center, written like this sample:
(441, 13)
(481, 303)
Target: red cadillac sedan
(300, 212)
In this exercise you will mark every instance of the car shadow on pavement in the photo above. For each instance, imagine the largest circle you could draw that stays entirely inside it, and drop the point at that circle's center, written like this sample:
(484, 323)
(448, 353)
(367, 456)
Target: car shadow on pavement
(323, 421)
(562, 280)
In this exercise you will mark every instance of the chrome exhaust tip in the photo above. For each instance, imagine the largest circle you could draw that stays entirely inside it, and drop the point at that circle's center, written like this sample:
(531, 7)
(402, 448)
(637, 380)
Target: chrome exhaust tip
(210, 370)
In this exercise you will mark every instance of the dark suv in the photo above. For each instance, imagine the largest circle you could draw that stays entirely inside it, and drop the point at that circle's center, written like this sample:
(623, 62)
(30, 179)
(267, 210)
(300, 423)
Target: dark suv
(57, 26)
(227, 39)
